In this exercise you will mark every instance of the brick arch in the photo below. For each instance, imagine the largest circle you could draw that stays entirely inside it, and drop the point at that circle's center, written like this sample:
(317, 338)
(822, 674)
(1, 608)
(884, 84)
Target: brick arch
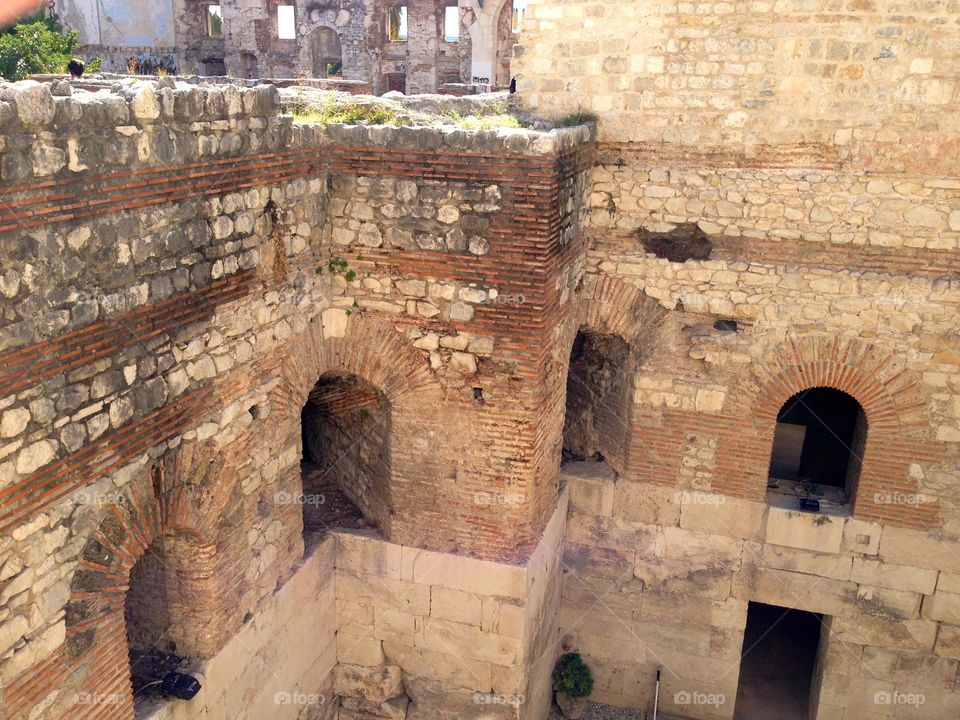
(610, 306)
(373, 351)
(370, 349)
(159, 502)
(898, 426)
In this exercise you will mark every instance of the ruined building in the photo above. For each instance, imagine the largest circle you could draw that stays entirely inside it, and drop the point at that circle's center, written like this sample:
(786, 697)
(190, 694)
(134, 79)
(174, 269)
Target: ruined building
(414, 47)
(375, 422)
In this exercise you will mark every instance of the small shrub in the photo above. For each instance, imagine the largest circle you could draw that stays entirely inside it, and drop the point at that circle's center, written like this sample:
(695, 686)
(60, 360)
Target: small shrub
(572, 676)
(579, 118)
(38, 45)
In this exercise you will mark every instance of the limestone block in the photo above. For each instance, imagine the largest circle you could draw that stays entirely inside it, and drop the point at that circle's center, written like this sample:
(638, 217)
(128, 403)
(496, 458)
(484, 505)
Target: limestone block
(443, 636)
(374, 684)
(942, 606)
(334, 321)
(407, 596)
(721, 515)
(854, 693)
(861, 536)
(862, 629)
(357, 650)
(680, 576)
(502, 617)
(803, 592)
(698, 547)
(948, 642)
(646, 503)
(394, 625)
(908, 669)
(364, 553)
(454, 670)
(946, 582)
(804, 531)
(891, 603)
(896, 577)
(919, 549)
(480, 577)
(835, 567)
(358, 709)
(591, 495)
(455, 605)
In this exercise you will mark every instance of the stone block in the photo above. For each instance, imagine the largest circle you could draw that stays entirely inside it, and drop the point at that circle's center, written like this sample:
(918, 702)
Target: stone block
(358, 709)
(698, 547)
(916, 548)
(364, 553)
(679, 576)
(835, 567)
(948, 642)
(896, 577)
(891, 603)
(454, 670)
(374, 684)
(862, 629)
(384, 592)
(593, 496)
(942, 606)
(480, 577)
(503, 617)
(645, 503)
(861, 536)
(721, 515)
(804, 531)
(443, 636)
(455, 605)
(802, 592)
(394, 625)
(357, 650)
(908, 670)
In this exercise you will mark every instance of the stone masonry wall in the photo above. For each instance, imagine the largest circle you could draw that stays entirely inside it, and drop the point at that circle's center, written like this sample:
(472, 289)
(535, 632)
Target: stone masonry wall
(660, 577)
(167, 310)
(741, 76)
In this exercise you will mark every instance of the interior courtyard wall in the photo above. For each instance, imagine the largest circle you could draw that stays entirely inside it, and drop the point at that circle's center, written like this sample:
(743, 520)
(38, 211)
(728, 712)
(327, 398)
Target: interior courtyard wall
(158, 348)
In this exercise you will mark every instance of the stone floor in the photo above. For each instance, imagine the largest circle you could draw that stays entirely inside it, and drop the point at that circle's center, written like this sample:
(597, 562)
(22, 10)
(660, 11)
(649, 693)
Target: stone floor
(325, 507)
(597, 711)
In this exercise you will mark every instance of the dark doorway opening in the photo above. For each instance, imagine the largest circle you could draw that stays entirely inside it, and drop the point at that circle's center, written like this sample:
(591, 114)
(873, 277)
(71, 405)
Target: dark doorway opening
(345, 467)
(599, 397)
(819, 442)
(777, 663)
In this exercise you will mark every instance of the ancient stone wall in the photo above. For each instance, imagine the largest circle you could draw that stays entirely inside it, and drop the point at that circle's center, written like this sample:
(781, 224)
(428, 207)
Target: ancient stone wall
(674, 570)
(168, 311)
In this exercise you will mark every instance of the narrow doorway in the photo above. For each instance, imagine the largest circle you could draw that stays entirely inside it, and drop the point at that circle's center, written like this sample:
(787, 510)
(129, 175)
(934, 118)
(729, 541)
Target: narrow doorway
(777, 663)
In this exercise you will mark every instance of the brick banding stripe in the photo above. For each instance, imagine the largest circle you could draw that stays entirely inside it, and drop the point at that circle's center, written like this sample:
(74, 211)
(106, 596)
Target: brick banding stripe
(55, 481)
(29, 365)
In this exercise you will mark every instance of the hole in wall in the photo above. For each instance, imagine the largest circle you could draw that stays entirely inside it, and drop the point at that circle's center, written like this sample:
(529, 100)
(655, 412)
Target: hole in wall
(685, 242)
(725, 325)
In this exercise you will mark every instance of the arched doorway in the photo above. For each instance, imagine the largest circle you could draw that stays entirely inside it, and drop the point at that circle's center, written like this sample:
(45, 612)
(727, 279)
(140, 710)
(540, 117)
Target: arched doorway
(818, 445)
(505, 40)
(326, 53)
(249, 66)
(599, 398)
(345, 426)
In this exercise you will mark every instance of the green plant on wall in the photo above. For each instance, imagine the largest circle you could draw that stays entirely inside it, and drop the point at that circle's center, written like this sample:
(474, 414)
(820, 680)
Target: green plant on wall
(38, 45)
(572, 676)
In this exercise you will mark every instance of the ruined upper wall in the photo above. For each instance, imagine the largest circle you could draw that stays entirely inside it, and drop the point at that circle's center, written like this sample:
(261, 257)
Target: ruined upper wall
(872, 81)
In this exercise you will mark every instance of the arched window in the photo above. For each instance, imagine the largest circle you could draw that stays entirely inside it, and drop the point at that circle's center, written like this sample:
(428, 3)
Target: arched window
(346, 455)
(818, 446)
(327, 53)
